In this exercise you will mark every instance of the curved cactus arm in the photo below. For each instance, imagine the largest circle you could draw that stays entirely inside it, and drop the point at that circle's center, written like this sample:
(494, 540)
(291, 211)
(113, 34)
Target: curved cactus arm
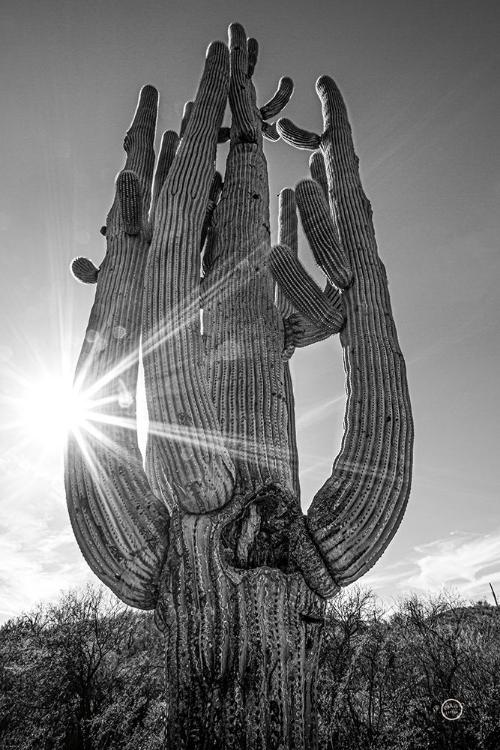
(356, 513)
(120, 526)
(301, 332)
(185, 440)
(302, 291)
(295, 136)
(270, 132)
(279, 100)
(304, 329)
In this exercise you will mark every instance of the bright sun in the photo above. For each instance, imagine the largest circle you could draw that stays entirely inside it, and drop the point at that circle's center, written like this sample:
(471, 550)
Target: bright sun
(51, 408)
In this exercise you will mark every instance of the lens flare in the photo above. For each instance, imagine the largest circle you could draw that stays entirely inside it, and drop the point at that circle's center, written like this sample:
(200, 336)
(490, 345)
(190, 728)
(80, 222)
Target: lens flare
(50, 409)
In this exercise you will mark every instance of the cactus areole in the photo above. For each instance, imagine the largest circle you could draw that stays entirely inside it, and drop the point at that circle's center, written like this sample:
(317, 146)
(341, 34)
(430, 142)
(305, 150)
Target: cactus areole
(208, 530)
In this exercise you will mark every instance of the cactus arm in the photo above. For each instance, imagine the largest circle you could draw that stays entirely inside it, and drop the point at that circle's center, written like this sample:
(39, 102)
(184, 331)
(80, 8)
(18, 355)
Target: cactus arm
(295, 136)
(84, 270)
(186, 114)
(287, 235)
(302, 291)
(244, 334)
(318, 171)
(120, 526)
(279, 100)
(185, 441)
(356, 513)
(168, 148)
(252, 55)
(300, 332)
(270, 132)
(246, 125)
(322, 234)
(287, 221)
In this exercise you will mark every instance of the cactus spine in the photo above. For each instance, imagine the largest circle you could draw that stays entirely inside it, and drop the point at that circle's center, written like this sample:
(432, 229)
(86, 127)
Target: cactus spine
(211, 534)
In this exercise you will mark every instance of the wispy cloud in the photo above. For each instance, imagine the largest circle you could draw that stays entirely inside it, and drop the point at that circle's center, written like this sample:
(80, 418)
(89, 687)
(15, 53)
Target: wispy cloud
(465, 562)
(38, 553)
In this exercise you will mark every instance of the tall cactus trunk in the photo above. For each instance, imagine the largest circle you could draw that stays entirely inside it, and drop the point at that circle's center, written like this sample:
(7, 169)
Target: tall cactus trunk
(242, 649)
(242, 626)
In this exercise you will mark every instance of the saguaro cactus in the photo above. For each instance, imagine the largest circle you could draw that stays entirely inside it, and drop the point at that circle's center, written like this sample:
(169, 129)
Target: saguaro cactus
(210, 533)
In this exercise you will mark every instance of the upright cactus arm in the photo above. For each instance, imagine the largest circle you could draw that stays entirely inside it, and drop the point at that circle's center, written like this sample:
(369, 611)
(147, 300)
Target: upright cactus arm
(185, 446)
(244, 334)
(322, 234)
(355, 514)
(312, 314)
(287, 235)
(318, 171)
(168, 148)
(120, 526)
(186, 114)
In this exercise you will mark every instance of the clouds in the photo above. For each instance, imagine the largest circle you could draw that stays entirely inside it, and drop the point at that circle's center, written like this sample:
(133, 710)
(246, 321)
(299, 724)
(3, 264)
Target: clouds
(464, 561)
(38, 553)
(467, 561)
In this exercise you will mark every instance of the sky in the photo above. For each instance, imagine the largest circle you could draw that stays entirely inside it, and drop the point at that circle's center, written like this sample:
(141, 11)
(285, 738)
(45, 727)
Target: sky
(421, 84)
